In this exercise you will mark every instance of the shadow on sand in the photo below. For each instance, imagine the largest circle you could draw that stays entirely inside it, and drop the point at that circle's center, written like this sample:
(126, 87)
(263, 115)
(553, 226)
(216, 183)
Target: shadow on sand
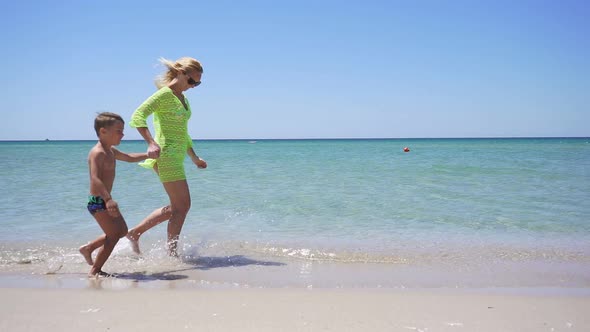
(198, 263)
(207, 263)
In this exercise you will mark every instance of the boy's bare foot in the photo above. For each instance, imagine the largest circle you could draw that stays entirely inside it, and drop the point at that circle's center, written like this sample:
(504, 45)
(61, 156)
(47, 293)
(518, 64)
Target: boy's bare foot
(87, 254)
(134, 241)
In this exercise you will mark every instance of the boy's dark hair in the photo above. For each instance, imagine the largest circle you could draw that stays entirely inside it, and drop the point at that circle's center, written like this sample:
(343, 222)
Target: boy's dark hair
(106, 119)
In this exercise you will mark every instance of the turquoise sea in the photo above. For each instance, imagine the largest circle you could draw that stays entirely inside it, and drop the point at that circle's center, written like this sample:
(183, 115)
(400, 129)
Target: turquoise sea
(511, 212)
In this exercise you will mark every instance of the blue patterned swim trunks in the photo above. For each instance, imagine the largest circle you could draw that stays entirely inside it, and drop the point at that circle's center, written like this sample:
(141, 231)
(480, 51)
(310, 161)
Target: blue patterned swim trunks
(96, 204)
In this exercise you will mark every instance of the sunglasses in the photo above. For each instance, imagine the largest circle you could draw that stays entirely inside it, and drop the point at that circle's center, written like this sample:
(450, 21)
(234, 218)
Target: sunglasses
(193, 82)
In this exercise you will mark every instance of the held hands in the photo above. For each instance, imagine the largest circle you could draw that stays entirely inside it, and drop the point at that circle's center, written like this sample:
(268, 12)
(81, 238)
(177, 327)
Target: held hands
(199, 162)
(113, 208)
(153, 150)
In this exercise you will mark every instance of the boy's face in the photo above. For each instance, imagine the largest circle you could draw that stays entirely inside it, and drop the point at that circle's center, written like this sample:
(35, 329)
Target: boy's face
(113, 134)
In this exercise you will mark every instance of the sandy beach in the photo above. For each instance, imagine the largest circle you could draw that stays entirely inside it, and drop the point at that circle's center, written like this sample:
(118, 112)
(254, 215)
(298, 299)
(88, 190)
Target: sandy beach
(280, 309)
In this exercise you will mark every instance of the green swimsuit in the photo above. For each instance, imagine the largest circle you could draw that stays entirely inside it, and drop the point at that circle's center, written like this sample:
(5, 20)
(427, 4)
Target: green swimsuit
(170, 124)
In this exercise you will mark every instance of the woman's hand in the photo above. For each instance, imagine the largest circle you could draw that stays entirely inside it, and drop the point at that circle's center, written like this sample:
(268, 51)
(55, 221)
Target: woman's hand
(153, 150)
(199, 162)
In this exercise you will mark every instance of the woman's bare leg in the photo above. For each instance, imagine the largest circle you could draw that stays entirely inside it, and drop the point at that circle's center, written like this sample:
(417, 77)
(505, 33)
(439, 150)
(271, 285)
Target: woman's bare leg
(155, 218)
(180, 204)
(176, 212)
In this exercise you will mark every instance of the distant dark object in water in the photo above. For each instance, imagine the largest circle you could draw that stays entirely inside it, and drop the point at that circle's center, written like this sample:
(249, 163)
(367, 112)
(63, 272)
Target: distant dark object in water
(406, 149)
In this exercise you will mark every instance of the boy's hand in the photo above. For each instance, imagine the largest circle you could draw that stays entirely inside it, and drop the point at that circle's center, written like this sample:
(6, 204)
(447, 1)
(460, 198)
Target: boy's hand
(199, 162)
(113, 208)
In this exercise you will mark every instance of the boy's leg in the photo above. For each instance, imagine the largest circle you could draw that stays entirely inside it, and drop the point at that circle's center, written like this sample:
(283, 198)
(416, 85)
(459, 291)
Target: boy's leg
(87, 249)
(114, 229)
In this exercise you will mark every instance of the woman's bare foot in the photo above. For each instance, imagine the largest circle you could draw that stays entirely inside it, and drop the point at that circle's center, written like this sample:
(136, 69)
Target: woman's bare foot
(87, 254)
(172, 248)
(134, 241)
(173, 253)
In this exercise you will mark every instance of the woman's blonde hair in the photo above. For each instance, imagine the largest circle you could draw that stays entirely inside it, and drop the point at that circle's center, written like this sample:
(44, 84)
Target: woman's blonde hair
(183, 64)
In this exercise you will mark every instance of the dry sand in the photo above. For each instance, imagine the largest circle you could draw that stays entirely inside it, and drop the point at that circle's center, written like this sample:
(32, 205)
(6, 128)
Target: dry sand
(290, 309)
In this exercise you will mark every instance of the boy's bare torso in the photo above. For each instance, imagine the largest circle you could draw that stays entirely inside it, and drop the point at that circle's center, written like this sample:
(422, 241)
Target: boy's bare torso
(106, 168)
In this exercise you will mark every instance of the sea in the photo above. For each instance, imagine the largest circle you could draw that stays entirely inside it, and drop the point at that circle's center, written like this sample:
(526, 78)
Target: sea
(328, 213)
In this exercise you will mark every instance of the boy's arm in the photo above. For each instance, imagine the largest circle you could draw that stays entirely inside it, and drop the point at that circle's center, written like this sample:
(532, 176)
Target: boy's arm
(97, 187)
(129, 157)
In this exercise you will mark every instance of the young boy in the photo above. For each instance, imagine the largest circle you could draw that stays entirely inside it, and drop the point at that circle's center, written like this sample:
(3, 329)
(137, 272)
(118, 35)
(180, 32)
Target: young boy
(101, 163)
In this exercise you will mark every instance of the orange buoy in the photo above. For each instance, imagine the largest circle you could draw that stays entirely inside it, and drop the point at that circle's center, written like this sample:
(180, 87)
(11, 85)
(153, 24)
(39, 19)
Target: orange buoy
(406, 149)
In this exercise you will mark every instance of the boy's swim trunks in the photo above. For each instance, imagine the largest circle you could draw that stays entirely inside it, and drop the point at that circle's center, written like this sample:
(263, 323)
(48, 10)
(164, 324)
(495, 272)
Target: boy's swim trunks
(96, 204)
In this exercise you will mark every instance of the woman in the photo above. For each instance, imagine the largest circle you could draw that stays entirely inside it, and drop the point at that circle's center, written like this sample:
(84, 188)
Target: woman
(168, 149)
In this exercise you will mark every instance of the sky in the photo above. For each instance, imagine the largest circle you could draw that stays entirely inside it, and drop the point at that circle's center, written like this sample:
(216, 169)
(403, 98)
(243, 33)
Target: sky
(302, 69)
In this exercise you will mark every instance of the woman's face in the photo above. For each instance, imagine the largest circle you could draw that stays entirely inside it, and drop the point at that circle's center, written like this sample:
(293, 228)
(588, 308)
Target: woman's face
(190, 79)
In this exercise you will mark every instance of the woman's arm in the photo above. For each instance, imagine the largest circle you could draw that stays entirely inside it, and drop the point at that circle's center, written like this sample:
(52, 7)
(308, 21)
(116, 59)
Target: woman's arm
(196, 159)
(139, 121)
(153, 147)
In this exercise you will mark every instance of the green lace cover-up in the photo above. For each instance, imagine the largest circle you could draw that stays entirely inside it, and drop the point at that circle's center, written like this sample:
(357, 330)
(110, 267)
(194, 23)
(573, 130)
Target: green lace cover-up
(170, 125)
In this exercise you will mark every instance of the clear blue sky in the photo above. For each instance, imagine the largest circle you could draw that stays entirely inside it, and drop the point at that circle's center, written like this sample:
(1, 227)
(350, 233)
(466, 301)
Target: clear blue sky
(303, 69)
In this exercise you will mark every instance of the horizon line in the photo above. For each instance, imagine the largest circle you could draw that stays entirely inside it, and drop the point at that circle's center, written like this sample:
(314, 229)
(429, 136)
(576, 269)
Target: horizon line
(304, 139)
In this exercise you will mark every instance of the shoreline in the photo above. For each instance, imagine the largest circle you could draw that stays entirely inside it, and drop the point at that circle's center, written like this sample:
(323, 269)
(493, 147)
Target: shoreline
(250, 272)
(215, 269)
